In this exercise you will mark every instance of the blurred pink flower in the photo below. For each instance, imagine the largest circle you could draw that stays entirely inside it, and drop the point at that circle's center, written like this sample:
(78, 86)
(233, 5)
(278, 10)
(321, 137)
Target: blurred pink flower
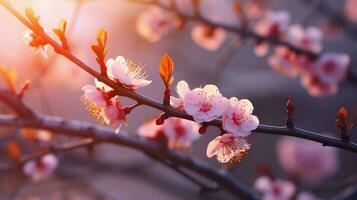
(205, 104)
(150, 130)
(41, 168)
(154, 23)
(307, 196)
(274, 189)
(350, 7)
(309, 39)
(331, 67)
(182, 88)
(228, 148)
(238, 118)
(284, 62)
(180, 133)
(308, 160)
(316, 87)
(273, 24)
(127, 73)
(35, 43)
(208, 37)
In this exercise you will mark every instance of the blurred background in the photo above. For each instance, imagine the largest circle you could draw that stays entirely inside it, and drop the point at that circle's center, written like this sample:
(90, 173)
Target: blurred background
(119, 173)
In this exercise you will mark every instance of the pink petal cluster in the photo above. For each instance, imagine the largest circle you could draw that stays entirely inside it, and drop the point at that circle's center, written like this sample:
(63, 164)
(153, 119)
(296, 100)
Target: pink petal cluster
(273, 24)
(127, 73)
(41, 168)
(274, 189)
(350, 7)
(307, 160)
(238, 118)
(228, 148)
(154, 23)
(105, 108)
(179, 133)
(309, 39)
(208, 37)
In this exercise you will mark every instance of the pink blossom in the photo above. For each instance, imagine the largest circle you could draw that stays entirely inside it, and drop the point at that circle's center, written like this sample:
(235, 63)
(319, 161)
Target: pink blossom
(307, 196)
(97, 93)
(238, 118)
(274, 189)
(127, 73)
(308, 160)
(331, 67)
(208, 37)
(150, 130)
(182, 89)
(316, 87)
(273, 24)
(180, 133)
(114, 114)
(41, 168)
(205, 104)
(350, 8)
(284, 62)
(35, 42)
(309, 39)
(228, 148)
(154, 23)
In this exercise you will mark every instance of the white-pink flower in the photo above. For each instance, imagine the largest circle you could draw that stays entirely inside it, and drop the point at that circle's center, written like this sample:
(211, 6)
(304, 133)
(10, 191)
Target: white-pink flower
(97, 93)
(238, 118)
(180, 133)
(208, 37)
(316, 87)
(274, 189)
(308, 160)
(41, 168)
(30, 40)
(154, 23)
(331, 67)
(309, 39)
(205, 104)
(114, 114)
(182, 89)
(127, 73)
(228, 148)
(273, 24)
(307, 196)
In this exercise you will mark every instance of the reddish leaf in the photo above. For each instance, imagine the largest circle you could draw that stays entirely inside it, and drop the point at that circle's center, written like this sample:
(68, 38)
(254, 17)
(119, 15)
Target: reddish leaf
(100, 49)
(60, 32)
(13, 150)
(166, 70)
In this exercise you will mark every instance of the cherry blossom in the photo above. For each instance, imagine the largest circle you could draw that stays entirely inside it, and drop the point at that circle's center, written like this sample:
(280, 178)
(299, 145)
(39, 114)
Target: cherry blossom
(316, 87)
(150, 130)
(308, 160)
(36, 43)
(309, 39)
(274, 189)
(228, 148)
(180, 133)
(182, 89)
(127, 73)
(238, 118)
(331, 67)
(114, 114)
(307, 196)
(208, 37)
(41, 168)
(205, 104)
(273, 24)
(284, 62)
(97, 93)
(154, 23)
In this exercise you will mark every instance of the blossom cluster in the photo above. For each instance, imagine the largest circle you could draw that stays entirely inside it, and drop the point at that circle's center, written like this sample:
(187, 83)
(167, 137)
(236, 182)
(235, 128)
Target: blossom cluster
(205, 105)
(320, 76)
